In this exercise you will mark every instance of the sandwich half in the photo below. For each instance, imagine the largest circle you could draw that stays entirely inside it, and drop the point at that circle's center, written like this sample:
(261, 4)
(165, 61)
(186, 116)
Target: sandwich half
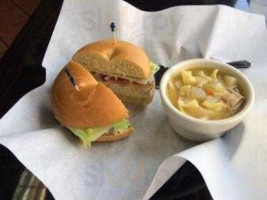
(123, 67)
(94, 113)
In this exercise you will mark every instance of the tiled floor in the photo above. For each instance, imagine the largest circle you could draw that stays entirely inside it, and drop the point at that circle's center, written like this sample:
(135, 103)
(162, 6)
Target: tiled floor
(13, 15)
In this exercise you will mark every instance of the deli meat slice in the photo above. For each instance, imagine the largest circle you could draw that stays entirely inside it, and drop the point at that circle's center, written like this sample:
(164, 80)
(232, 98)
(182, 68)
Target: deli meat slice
(122, 82)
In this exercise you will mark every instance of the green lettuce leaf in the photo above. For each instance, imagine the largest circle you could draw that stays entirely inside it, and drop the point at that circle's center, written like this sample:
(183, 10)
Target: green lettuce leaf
(154, 68)
(121, 125)
(87, 136)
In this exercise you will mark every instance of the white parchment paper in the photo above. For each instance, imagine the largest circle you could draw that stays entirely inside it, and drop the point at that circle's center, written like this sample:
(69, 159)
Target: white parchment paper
(233, 167)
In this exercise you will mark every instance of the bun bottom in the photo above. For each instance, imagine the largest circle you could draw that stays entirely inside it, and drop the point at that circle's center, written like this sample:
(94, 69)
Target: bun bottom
(133, 100)
(117, 136)
(132, 94)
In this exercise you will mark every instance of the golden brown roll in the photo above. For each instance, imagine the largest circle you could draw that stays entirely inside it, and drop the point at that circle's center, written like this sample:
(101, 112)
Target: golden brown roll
(123, 67)
(93, 106)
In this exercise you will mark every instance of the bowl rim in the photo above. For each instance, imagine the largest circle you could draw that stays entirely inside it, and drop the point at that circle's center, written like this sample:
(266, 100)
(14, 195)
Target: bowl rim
(241, 114)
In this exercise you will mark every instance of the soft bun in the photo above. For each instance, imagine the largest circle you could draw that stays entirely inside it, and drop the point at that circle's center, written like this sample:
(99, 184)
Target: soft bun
(122, 58)
(94, 105)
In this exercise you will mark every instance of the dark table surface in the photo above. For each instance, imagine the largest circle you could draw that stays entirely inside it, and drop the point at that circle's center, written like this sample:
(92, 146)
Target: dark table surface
(21, 71)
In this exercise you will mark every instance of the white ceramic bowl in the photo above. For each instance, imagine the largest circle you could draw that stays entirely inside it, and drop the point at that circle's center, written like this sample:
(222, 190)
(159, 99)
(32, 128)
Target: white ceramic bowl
(197, 129)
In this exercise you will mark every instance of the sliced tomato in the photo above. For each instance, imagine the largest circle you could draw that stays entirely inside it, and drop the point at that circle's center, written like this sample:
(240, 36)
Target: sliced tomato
(120, 81)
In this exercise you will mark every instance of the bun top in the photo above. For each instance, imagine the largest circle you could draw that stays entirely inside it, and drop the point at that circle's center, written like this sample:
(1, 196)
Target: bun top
(94, 105)
(122, 58)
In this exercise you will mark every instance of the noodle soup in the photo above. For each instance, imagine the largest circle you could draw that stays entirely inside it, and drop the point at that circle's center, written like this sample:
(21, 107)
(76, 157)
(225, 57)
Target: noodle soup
(205, 94)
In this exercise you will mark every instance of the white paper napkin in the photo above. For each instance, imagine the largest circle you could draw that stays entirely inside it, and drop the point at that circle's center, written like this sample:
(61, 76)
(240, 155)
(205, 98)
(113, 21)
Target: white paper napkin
(125, 169)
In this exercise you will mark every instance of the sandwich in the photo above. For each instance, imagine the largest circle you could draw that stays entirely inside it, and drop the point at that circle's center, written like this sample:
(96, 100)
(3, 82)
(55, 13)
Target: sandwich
(92, 113)
(123, 67)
